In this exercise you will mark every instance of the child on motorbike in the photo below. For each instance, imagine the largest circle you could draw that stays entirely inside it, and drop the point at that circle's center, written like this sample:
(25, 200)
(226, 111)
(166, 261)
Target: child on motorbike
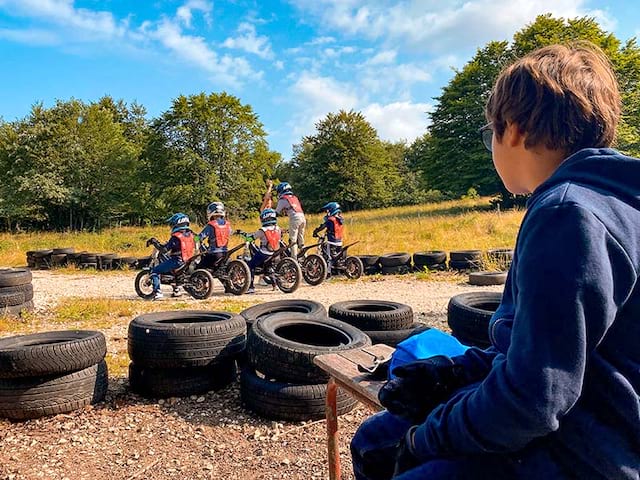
(180, 248)
(333, 223)
(216, 233)
(288, 204)
(269, 235)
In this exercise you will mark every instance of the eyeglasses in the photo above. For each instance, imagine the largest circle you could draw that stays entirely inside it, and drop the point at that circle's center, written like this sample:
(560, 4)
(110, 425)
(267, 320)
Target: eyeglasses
(486, 133)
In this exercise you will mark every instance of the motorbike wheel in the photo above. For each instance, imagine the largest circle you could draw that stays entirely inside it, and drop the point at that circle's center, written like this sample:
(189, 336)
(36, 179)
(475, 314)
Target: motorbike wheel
(201, 284)
(143, 285)
(353, 268)
(288, 275)
(314, 269)
(239, 277)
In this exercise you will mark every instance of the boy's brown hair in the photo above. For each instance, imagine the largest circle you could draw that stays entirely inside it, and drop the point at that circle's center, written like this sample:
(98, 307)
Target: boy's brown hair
(563, 97)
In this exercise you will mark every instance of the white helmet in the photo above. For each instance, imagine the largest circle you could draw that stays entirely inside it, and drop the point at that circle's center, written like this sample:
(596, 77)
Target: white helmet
(215, 209)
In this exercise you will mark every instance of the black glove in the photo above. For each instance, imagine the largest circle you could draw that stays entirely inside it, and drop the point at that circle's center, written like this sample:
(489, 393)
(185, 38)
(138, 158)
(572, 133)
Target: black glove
(152, 241)
(315, 232)
(405, 458)
(421, 386)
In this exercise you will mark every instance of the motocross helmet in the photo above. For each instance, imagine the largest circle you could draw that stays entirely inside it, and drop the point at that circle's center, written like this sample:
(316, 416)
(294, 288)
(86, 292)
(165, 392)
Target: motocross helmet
(215, 209)
(178, 221)
(332, 208)
(268, 217)
(283, 188)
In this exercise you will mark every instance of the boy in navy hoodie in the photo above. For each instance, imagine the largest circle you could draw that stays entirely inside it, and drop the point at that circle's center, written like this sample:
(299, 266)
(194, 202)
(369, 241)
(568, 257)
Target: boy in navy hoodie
(556, 396)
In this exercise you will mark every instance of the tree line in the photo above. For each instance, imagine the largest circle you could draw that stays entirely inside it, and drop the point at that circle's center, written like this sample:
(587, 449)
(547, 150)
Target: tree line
(82, 165)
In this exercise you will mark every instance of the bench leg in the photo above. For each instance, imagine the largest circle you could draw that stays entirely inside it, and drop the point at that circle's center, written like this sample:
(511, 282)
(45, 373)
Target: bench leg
(332, 431)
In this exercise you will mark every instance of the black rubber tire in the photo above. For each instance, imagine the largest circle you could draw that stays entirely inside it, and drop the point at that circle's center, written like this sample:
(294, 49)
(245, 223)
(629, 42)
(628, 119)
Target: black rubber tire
(395, 259)
(437, 266)
(487, 278)
(32, 397)
(434, 257)
(288, 275)
(397, 270)
(309, 307)
(66, 250)
(372, 270)
(88, 258)
(142, 285)
(186, 338)
(26, 290)
(468, 316)
(280, 345)
(143, 262)
(87, 266)
(180, 382)
(501, 256)
(17, 310)
(41, 253)
(464, 265)
(11, 299)
(369, 260)
(240, 274)
(128, 262)
(288, 401)
(394, 337)
(201, 286)
(50, 353)
(373, 314)
(353, 268)
(12, 277)
(314, 269)
(58, 259)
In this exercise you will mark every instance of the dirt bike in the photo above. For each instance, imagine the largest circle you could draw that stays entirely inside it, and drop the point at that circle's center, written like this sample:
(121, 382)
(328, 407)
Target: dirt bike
(341, 263)
(196, 282)
(314, 266)
(281, 270)
(235, 275)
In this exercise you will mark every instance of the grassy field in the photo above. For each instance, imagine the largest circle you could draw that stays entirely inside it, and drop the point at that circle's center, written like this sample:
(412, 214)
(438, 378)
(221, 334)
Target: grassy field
(450, 225)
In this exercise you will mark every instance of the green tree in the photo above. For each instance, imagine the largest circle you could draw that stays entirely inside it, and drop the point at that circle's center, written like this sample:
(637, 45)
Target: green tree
(344, 161)
(208, 147)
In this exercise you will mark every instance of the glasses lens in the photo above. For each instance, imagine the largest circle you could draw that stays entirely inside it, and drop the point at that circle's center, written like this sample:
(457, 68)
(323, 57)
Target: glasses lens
(487, 136)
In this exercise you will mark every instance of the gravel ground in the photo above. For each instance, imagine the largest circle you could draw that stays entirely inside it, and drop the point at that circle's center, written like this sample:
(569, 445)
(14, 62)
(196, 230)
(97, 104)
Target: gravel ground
(205, 437)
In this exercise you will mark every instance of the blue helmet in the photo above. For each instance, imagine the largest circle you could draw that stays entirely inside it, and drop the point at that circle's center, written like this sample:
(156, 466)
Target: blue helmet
(178, 221)
(268, 217)
(333, 208)
(284, 187)
(215, 209)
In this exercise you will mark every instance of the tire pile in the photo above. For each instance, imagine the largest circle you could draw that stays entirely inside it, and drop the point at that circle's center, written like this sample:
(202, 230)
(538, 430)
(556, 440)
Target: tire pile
(468, 316)
(182, 353)
(64, 257)
(280, 380)
(382, 321)
(16, 291)
(52, 372)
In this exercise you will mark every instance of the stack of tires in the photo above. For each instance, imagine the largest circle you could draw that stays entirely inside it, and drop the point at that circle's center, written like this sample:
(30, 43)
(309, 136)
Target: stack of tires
(16, 291)
(39, 259)
(281, 382)
(382, 321)
(371, 264)
(468, 316)
(431, 260)
(395, 263)
(52, 372)
(181, 353)
(502, 257)
(466, 260)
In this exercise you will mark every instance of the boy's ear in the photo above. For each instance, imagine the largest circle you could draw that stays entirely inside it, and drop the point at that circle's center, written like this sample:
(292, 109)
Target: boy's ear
(512, 135)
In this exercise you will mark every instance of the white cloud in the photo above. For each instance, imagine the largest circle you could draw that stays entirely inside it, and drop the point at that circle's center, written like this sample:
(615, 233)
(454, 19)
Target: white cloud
(250, 42)
(30, 36)
(194, 50)
(384, 57)
(398, 121)
(279, 64)
(441, 26)
(185, 12)
(321, 41)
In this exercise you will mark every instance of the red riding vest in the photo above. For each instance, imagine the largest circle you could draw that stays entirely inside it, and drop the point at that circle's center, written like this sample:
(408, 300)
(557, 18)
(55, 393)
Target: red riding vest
(337, 228)
(187, 245)
(294, 202)
(273, 238)
(221, 232)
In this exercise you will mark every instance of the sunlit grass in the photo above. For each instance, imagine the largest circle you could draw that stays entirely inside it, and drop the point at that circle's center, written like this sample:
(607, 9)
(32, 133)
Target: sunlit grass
(451, 225)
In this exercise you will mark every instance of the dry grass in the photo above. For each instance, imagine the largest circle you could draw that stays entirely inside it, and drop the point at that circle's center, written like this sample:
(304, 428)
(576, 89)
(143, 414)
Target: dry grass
(450, 225)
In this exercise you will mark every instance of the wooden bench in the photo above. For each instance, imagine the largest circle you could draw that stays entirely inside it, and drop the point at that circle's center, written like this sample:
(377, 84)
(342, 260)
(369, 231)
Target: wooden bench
(343, 372)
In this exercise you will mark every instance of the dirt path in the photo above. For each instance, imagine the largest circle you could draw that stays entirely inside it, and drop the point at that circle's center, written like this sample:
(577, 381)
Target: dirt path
(207, 437)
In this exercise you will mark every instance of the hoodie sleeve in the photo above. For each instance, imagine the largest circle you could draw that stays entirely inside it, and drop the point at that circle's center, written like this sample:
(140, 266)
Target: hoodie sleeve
(565, 277)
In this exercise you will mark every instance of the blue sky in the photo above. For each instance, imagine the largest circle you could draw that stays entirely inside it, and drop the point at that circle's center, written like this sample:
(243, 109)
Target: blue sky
(292, 61)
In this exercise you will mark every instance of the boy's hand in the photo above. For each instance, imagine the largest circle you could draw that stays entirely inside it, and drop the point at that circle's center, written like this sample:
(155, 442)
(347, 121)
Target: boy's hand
(405, 458)
(421, 386)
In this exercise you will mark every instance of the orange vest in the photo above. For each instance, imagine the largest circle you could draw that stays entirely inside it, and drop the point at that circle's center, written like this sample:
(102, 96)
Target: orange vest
(221, 232)
(273, 238)
(337, 228)
(294, 202)
(187, 245)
